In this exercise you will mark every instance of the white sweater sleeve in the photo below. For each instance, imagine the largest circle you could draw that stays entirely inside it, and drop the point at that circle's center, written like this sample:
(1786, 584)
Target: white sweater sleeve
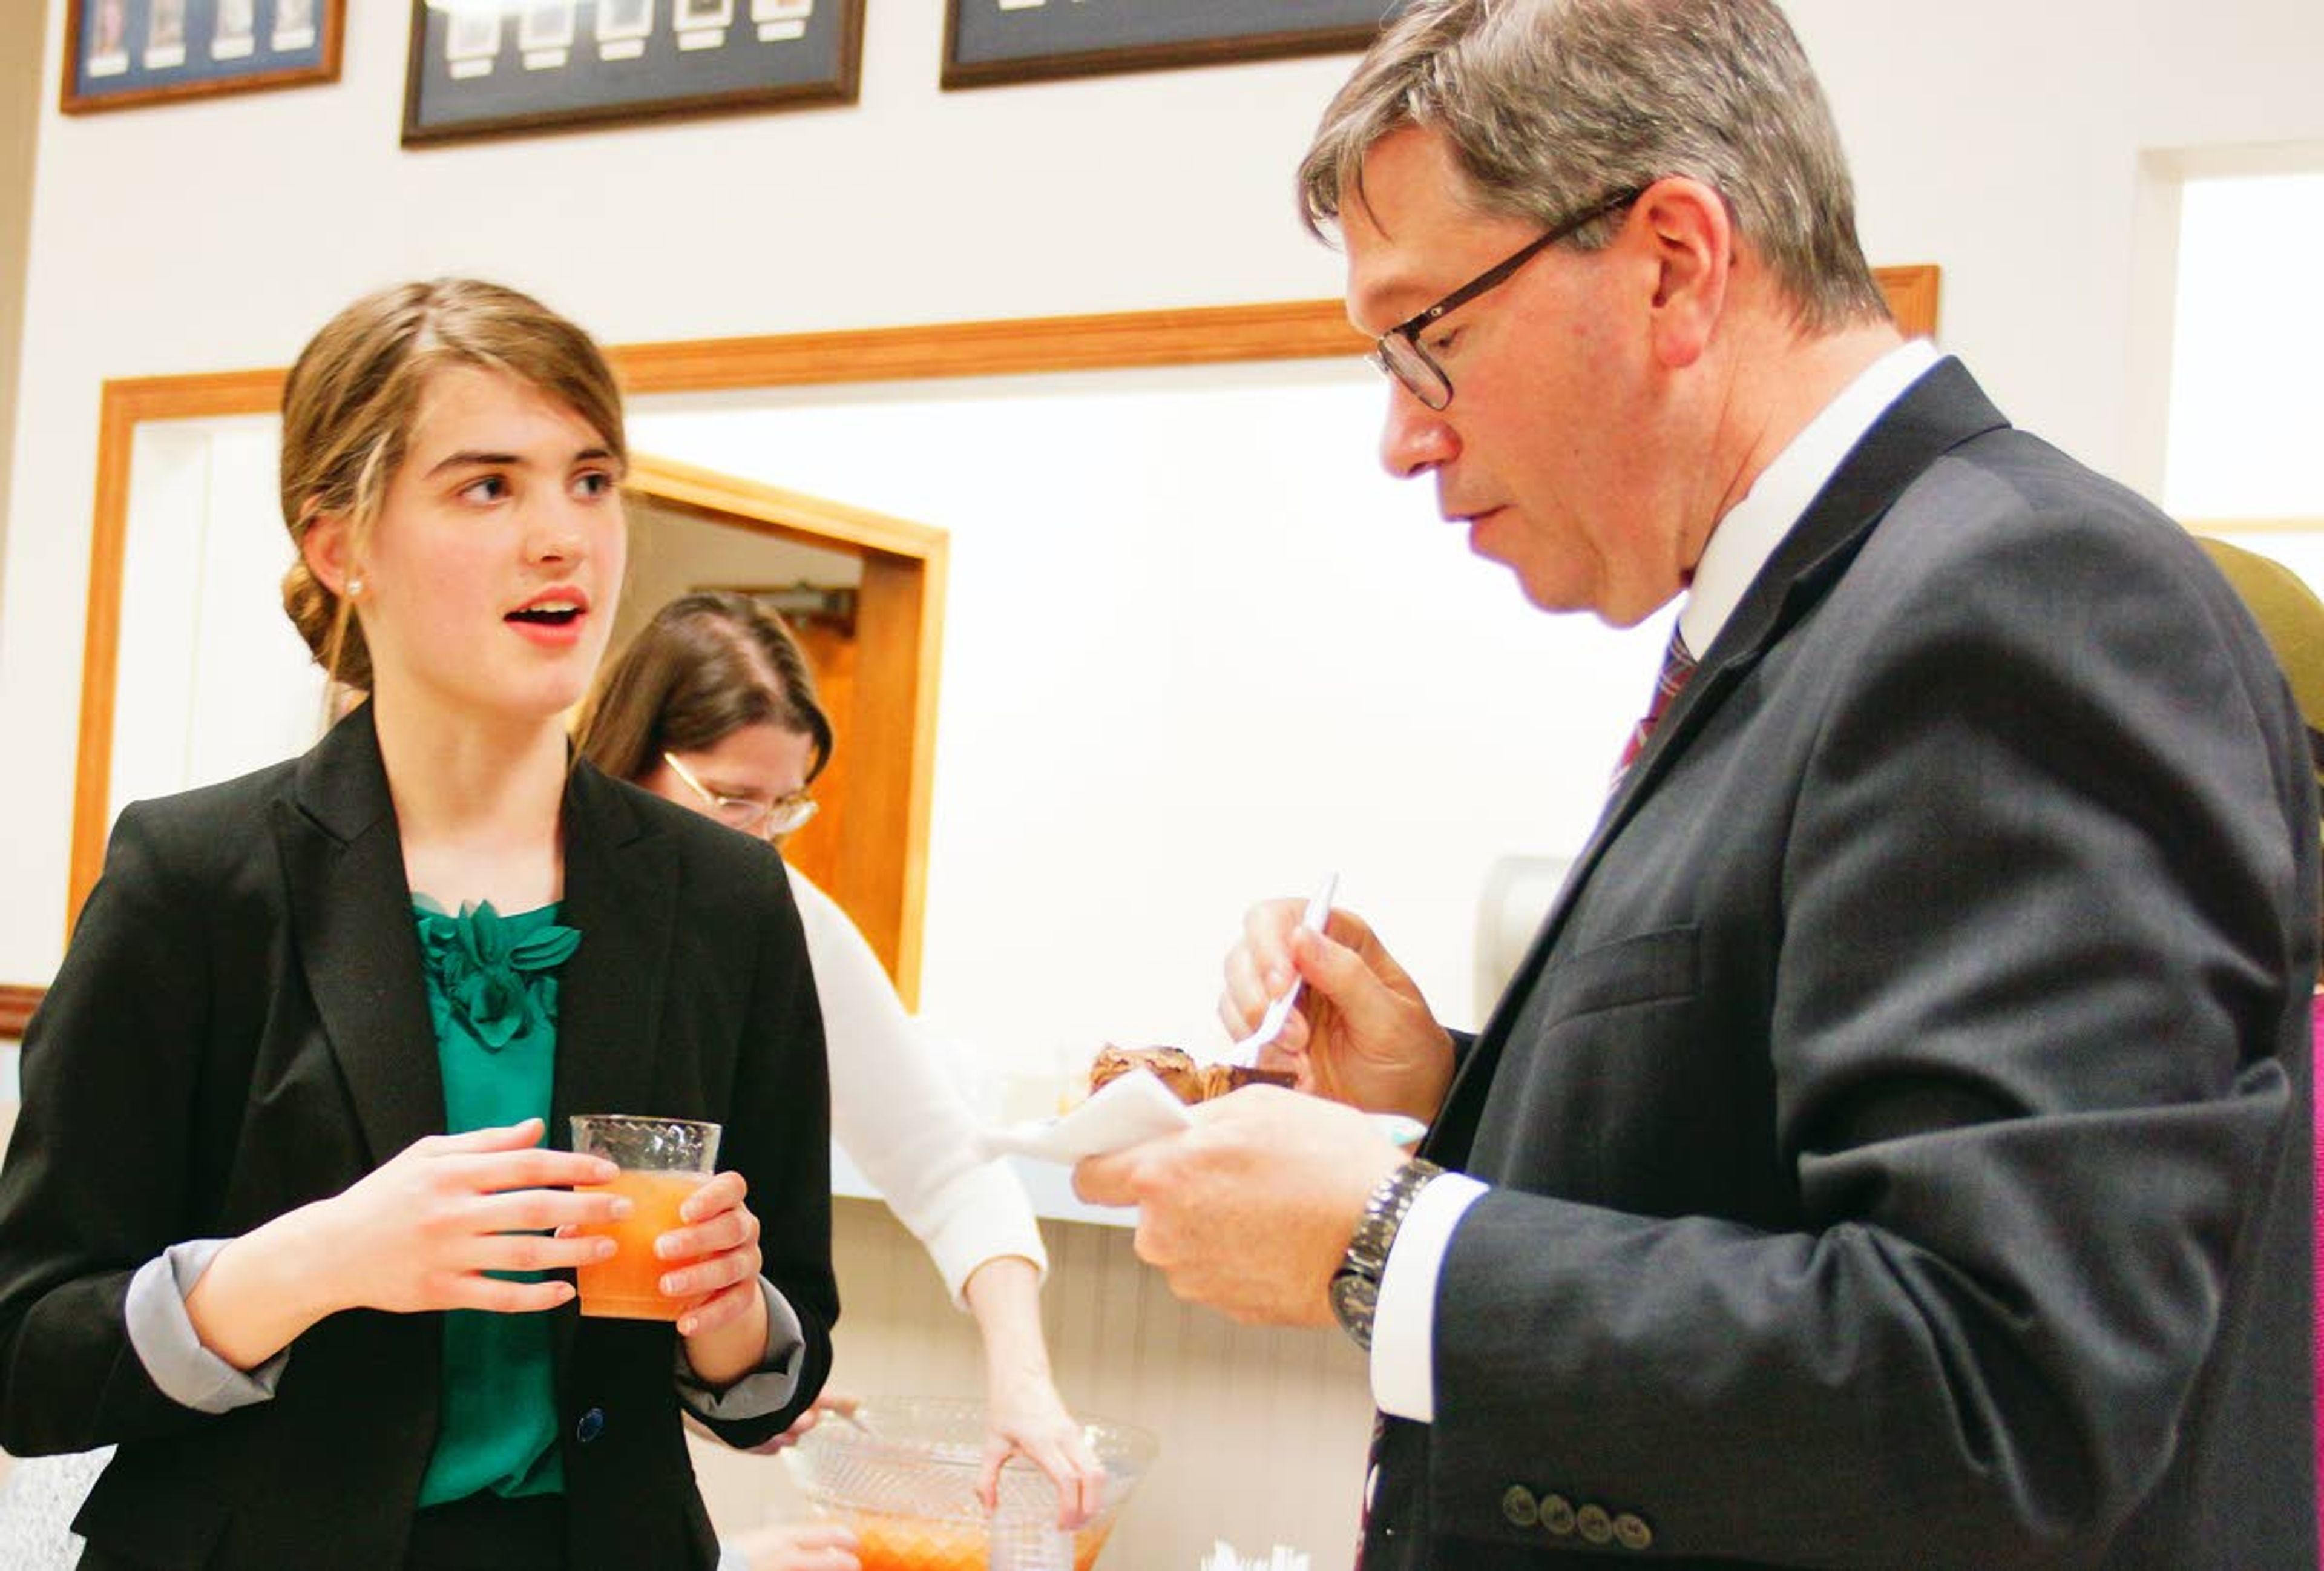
(899, 1113)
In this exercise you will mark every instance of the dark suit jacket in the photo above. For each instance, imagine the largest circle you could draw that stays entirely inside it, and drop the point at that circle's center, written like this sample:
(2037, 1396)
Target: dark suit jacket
(240, 1027)
(1898, 1129)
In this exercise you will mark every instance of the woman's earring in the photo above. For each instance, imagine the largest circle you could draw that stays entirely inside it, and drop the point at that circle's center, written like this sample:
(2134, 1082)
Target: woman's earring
(355, 588)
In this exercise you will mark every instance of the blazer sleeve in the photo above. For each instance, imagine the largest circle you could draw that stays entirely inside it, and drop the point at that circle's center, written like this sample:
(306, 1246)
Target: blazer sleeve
(97, 1182)
(778, 1136)
(2042, 940)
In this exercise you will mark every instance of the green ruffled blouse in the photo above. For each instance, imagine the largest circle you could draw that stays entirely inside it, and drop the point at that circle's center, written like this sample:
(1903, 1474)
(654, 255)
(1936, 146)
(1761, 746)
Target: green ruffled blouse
(492, 995)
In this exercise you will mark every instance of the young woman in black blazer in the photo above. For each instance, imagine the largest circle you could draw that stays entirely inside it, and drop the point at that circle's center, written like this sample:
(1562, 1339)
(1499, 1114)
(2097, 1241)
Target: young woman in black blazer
(278, 1218)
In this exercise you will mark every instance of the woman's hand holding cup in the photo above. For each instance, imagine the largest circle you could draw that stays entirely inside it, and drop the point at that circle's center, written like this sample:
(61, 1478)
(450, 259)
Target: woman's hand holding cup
(420, 1232)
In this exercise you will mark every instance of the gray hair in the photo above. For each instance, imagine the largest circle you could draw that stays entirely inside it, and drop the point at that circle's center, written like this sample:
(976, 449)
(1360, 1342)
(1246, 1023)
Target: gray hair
(1549, 104)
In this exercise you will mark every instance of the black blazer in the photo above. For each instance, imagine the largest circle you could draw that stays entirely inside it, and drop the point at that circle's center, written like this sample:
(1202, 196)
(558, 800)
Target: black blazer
(1900, 1127)
(240, 1026)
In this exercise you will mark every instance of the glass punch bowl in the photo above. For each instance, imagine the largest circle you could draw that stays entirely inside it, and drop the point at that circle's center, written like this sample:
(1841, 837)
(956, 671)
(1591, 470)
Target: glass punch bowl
(902, 1473)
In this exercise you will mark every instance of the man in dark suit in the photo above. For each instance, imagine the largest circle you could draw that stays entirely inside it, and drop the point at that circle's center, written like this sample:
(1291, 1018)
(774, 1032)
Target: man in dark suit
(1893, 1150)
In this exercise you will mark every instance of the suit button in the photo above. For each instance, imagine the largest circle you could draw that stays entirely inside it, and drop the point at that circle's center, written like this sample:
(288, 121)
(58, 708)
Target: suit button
(1557, 1515)
(1594, 1525)
(592, 1425)
(1520, 1508)
(1631, 1532)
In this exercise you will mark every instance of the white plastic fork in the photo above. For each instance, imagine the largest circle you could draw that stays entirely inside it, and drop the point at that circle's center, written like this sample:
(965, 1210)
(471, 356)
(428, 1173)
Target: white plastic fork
(1244, 1052)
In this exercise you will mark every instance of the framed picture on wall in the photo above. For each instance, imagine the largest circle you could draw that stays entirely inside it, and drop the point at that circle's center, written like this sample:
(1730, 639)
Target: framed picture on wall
(121, 53)
(564, 64)
(1020, 40)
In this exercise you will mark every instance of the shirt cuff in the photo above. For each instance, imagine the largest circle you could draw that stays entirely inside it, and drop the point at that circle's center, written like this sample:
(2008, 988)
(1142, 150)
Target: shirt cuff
(765, 1390)
(163, 1336)
(1404, 1322)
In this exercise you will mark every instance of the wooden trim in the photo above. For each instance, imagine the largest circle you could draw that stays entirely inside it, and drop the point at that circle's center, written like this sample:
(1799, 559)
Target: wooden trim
(1119, 340)
(17, 1002)
(1911, 294)
(814, 521)
(904, 671)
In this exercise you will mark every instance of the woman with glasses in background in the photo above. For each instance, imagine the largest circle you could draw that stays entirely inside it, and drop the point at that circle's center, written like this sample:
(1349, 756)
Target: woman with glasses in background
(712, 706)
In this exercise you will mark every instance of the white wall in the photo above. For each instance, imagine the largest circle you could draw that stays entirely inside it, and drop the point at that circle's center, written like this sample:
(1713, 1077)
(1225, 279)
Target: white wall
(2247, 402)
(213, 680)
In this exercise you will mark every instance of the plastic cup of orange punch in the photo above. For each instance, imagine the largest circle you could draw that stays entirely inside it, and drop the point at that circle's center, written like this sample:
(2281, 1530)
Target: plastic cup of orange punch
(662, 1160)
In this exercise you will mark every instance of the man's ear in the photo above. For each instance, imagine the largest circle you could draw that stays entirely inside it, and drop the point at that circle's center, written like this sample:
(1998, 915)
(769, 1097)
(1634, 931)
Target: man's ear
(1691, 237)
(325, 548)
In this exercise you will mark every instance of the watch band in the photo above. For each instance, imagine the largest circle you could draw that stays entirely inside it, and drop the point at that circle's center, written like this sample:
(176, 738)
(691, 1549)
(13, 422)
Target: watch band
(1355, 1286)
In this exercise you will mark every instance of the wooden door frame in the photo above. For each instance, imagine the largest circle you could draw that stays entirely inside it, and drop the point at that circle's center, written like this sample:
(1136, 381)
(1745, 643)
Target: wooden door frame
(882, 882)
(1121, 340)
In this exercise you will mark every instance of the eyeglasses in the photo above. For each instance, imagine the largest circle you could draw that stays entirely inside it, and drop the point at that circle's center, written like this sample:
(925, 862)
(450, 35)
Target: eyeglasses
(1398, 351)
(751, 815)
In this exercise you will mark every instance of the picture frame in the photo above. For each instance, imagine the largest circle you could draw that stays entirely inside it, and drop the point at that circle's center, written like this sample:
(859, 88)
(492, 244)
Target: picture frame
(504, 67)
(123, 54)
(992, 42)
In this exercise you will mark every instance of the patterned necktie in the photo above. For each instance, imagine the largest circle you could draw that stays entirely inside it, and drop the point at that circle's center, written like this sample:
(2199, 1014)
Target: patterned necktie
(1678, 665)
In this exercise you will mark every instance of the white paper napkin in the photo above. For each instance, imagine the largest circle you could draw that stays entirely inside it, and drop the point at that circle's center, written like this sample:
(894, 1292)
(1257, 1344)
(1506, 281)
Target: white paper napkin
(1126, 1111)
(1122, 1113)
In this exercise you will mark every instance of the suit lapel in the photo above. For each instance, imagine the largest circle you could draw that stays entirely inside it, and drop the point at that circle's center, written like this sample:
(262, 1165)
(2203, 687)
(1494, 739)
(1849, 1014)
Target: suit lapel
(621, 892)
(343, 860)
(1939, 411)
(351, 908)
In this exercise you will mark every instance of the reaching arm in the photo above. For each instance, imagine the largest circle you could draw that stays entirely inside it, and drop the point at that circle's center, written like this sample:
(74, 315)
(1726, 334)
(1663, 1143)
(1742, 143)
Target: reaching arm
(1024, 1413)
(900, 1116)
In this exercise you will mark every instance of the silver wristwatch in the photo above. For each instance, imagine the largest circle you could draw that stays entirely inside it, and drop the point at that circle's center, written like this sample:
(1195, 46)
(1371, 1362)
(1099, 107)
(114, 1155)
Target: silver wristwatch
(1355, 1286)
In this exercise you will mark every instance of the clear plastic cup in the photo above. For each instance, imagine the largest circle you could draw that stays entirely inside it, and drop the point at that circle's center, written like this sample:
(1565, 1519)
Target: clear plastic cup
(662, 1162)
